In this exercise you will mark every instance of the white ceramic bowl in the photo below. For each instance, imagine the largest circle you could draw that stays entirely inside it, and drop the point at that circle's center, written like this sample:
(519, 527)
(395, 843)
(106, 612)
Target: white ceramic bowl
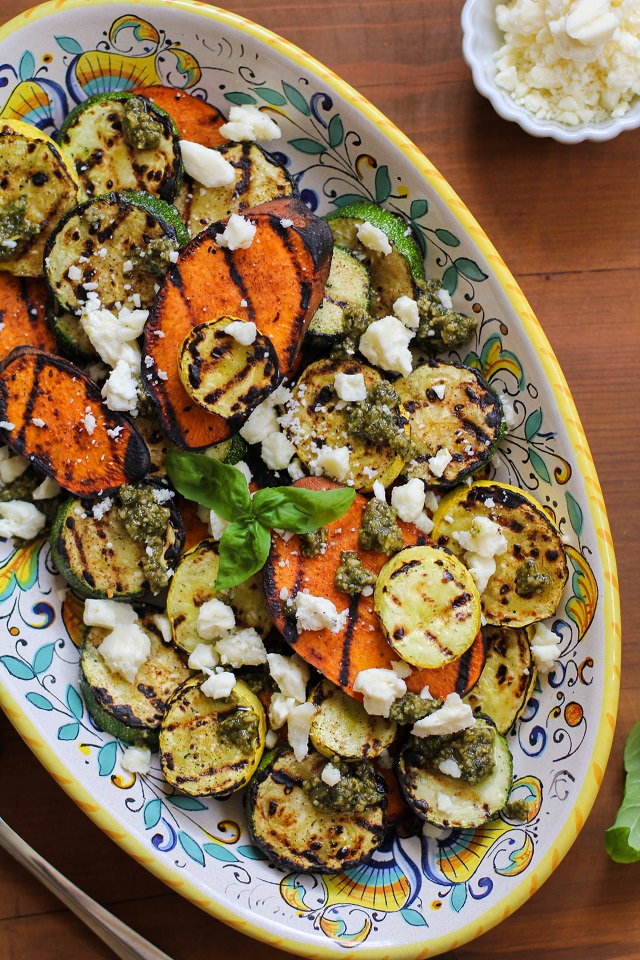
(481, 39)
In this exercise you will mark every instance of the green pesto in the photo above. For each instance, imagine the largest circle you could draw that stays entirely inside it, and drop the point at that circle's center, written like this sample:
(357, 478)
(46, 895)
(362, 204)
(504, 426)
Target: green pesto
(352, 576)
(517, 810)
(353, 793)
(530, 580)
(155, 259)
(14, 226)
(379, 528)
(141, 130)
(146, 522)
(258, 681)
(472, 749)
(239, 728)
(378, 419)
(439, 328)
(146, 406)
(312, 543)
(411, 707)
(355, 323)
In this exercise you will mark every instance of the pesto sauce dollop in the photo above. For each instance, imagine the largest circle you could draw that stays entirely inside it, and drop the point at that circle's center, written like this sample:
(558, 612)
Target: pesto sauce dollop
(352, 576)
(353, 793)
(472, 749)
(239, 728)
(312, 543)
(141, 130)
(530, 580)
(379, 528)
(411, 707)
(15, 226)
(378, 419)
(146, 522)
(440, 328)
(155, 259)
(355, 324)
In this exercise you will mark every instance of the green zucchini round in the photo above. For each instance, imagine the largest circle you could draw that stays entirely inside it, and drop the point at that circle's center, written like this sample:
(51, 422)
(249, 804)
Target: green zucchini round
(508, 677)
(342, 727)
(348, 288)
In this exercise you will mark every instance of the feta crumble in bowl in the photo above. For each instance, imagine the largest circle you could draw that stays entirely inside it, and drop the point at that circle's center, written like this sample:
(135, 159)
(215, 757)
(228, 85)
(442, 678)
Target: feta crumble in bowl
(561, 69)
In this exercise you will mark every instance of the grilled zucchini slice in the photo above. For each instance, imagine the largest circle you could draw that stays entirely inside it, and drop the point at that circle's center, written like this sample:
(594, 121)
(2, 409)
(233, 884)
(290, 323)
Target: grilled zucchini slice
(428, 605)
(70, 335)
(530, 536)
(192, 585)
(259, 177)
(38, 187)
(132, 228)
(446, 802)
(348, 288)
(318, 421)
(230, 451)
(293, 833)
(131, 711)
(342, 727)
(508, 676)
(98, 558)
(96, 137)
(198, 750)
(393, 275)
(223, 375)
(450, 407)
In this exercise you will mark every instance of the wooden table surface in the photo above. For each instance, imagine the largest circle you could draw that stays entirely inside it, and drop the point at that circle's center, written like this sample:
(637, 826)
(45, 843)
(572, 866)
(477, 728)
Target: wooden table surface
(567, 221)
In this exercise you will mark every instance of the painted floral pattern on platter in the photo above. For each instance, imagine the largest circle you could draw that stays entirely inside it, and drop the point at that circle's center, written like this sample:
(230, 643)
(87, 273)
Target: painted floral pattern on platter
(411, 877)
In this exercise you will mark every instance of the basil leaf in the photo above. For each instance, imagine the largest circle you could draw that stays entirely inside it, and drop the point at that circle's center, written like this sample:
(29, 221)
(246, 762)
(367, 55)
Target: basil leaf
(215, 485)
(244, 548)
(622, 840)
(300, 510)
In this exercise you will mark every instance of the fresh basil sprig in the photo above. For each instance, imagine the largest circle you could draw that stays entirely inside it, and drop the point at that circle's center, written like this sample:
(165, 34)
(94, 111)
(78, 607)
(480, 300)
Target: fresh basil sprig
(622, 840)
(245, 544)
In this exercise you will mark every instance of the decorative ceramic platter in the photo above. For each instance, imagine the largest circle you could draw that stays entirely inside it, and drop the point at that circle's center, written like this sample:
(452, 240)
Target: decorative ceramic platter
(419, 895)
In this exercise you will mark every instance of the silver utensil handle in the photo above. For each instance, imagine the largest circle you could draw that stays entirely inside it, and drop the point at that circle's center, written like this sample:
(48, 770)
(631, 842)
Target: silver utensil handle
(124, 941)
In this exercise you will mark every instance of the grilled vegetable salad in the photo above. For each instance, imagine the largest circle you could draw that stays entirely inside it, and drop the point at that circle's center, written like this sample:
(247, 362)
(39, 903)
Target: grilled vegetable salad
(229, 416)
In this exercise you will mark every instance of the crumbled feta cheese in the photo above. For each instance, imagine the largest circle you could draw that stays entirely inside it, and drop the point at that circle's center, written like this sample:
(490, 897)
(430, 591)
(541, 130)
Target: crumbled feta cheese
(238, 233)
(12, 467)
(291, 674)
(545, 648)
(246, 122)
(450, 768)
(205, 165)
(101, 507)
(125, 649)
(277, 451)
(406, 309)
(318, 613)
(379, 491)
(401, 669)
(444, 803)
(242, 648)
(331, 462)
(507, 411)
(482, 543)
(409, 499)
(7, 425)
(47, 489)
(431, 501)
(161, 621)
(385, 344)
(350, 387)
(385, 760)
(120, 392)
(285, 222)
(439, 462)
(453, 716)
(380, 688)
(330, 775)
(89, 422)
(244, 331)
(445, 298)
(295, 469)
(373, 238)
(244, 470)
(136, 760)
(270, 740)
(74, 273)
(215, 619)
(279, 709)
(21, 519)
(162, 494)
(425, 694)
(261, 423)
(298, 728)
(38, 422)
(203, 657)
(217, 525)
(218, 686)
(107, 613)
(424, 523)
(113, 336)
(439, 390)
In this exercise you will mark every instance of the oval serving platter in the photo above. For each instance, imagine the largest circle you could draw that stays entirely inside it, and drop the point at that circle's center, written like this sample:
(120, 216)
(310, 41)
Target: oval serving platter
(419, 895)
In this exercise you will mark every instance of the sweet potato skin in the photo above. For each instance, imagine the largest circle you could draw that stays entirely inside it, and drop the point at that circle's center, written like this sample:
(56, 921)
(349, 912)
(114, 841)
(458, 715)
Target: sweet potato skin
(22, 314)
(37, 386)
(196, 120)
(361, 644)
(277, 283)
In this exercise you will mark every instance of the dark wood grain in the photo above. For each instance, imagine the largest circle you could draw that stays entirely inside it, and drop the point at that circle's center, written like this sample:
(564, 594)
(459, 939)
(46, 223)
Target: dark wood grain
(567, 221)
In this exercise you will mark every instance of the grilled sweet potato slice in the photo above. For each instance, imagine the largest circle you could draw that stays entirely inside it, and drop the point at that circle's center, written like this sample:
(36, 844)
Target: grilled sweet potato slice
(277, 282)
(361, 644)
(196, 120)
(22, 314)
(44, 402)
